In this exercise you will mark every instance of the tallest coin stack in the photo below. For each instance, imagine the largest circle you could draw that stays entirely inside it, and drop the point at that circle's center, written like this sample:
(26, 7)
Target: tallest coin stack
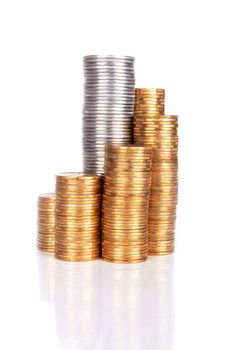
(108, 106)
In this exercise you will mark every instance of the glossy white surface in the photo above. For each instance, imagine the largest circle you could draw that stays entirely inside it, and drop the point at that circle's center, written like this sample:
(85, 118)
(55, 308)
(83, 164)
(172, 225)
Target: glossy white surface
(166, 303)
(101, 306)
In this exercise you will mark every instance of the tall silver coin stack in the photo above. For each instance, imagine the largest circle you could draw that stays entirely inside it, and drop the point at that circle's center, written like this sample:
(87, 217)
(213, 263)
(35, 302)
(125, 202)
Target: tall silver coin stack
(108, 106)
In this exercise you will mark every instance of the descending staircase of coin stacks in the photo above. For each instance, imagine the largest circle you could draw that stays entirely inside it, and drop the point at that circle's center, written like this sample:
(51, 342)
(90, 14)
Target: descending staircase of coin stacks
(123, 206)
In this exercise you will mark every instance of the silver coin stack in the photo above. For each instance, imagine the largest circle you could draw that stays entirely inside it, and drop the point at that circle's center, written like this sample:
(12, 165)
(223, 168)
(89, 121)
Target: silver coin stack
(108, 106)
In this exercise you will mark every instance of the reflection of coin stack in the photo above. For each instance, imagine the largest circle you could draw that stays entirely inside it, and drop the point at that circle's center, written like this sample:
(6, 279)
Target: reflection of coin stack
(46, 278)
(78, 209)
(108, 106)
(77, 304)
(152, 128)
(46, 222)
(124, 298)
(125, 203)
(158, 317)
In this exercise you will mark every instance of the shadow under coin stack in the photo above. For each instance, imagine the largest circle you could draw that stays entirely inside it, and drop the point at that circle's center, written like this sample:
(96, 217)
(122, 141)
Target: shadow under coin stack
(126, 203)
(108, 106)
(78, 211)
(46, 222)
(160, 132)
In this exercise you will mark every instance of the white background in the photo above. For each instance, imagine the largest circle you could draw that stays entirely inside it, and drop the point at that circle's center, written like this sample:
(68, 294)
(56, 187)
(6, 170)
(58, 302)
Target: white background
(180, 302)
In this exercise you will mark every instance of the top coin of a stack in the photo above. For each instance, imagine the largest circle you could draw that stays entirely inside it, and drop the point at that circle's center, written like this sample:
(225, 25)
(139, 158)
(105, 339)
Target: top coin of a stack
(108, 58)
(149, 92)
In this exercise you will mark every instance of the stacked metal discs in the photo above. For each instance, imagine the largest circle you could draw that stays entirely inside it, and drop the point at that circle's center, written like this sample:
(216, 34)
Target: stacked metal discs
(78, 210)
(159, 131)
(148, 102)
(46, 222)
(126, 203)
(108, 106)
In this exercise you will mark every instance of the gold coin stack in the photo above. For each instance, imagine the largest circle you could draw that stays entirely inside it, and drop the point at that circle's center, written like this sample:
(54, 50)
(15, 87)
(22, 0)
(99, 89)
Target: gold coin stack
(46, 222)
(78, 213)
(126, 203)
(160, 132)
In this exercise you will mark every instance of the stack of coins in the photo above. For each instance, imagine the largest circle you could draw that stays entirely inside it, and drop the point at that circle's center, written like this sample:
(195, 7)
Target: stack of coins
(126, 203)
(148, 101)
(78, 211)
(46, 222)
(160, 132)
(108, 106)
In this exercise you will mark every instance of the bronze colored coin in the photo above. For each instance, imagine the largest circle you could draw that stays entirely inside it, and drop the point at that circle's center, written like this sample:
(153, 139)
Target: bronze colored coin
(135, 179)
(126, 253)
(149, 91)
(108, 227)
(130, 149)
(123, 207)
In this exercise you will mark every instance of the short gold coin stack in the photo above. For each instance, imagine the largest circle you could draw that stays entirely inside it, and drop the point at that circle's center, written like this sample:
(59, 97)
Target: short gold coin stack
(78, 213)
(160, 132)
(46, 222)
(126, 203)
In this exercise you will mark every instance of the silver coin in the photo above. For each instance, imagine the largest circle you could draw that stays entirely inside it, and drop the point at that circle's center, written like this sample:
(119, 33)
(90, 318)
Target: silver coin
(98, 115)
(98, 71)
(111, 64)
(109, 90)
(109, 75)
(111, 118)
(118, 105)
(110, 132)
(108, 70)
(108, 107)
(108, 124)
(127, 131)
(104, 128)
(124, 83)
(110, 80)
(119, 81)
(112, 88)
(112, 126)
(95, 147)
(113, 110)
(93, 95)
(91, 141)
(108, 63)
(102, 138)
(113, 101)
